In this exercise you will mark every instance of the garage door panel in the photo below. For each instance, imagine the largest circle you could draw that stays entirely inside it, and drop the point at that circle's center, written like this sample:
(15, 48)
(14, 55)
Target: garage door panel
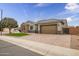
(49, 29)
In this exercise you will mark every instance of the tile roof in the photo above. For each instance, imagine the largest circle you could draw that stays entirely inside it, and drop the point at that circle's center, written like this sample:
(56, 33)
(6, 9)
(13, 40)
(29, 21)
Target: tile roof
(46, 20)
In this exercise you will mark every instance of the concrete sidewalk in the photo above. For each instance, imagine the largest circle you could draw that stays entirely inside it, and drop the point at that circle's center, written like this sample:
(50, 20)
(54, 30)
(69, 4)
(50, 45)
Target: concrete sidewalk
(9, 49)
(41, 48)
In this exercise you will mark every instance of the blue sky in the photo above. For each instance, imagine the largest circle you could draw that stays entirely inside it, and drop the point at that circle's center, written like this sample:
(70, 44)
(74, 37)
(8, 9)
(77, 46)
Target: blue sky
(41, 11)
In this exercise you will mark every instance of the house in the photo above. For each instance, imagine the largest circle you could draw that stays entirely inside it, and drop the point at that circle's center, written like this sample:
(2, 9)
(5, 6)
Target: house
(50, 26)
(13, 30)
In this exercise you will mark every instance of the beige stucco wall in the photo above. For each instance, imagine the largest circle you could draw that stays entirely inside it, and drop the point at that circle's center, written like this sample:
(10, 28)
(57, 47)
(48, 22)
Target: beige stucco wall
(33, 26)
(59, 27)
(5, 30)
(39, 28)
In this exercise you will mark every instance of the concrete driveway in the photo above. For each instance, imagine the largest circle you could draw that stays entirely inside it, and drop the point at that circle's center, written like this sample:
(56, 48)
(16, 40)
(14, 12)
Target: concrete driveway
(58, 40)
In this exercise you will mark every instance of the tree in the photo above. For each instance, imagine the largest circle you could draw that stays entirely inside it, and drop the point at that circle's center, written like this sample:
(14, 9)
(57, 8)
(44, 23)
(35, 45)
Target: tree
(22, 27)
(1, 27)
(9, 23)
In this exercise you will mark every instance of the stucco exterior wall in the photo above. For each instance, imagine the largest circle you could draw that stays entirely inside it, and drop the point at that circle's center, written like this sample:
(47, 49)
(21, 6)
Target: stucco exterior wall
(59, 27)
(38, 28)
(34, 27)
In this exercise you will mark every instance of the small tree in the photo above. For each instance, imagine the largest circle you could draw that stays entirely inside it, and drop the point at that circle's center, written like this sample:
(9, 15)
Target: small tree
(22, 27)
(1, 27)
(9, 23)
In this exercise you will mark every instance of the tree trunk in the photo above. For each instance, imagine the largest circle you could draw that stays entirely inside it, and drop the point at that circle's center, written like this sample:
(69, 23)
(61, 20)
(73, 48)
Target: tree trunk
(1, 32)
(10, 31)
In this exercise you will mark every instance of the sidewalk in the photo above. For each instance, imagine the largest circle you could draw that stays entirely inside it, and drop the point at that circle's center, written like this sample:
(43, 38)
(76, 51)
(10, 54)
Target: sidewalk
(41, 48)
(9, 49)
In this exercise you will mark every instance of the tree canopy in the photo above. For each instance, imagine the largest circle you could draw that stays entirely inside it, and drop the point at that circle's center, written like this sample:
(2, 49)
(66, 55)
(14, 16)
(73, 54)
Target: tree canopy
(9, 23)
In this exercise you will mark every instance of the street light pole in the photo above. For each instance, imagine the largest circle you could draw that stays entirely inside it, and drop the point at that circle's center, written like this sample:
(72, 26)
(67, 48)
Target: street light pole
(1, 19)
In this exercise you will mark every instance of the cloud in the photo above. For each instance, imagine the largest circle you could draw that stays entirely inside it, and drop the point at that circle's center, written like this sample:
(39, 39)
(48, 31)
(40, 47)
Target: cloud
(71, 10)
(69, 19)
(73, 18)
(41, 4)
(72, 6)
(72, 21)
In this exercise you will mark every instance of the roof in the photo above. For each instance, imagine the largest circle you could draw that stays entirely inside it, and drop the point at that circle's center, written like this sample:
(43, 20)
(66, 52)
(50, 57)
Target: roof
(47, 20)
(52, 20)
(29, 22)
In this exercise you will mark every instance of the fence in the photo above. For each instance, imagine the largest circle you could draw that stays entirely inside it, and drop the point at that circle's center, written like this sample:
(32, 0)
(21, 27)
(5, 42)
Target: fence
(73, 30)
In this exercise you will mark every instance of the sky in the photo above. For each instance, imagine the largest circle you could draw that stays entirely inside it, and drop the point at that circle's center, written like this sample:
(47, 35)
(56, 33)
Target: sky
(23, 12)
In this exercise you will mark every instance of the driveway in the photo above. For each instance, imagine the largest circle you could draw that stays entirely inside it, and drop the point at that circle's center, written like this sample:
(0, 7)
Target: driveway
(9, 49)
(59, 40)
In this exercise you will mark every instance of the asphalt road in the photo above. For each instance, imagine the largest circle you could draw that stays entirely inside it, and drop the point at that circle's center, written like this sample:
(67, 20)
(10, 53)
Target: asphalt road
(9, 49)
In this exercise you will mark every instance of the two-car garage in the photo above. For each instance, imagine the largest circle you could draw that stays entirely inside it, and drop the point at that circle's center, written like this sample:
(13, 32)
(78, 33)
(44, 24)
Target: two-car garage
(48, 29)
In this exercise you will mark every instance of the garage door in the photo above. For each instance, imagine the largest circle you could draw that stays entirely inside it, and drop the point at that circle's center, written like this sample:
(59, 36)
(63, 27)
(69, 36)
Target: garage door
(50, 29)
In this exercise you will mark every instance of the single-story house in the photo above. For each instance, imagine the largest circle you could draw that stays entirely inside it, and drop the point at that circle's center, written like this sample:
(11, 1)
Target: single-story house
(50, 26)
(14, 30)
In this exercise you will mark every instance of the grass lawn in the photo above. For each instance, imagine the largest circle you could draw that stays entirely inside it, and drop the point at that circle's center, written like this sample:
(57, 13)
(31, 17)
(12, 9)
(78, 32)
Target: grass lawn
(17, 34)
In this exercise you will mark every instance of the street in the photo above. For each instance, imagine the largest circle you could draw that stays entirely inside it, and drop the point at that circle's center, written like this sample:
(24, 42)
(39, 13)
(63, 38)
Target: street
(9, 49)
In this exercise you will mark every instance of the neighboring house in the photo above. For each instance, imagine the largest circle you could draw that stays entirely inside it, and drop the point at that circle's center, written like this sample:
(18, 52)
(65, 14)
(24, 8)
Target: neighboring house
(14, 30)
(50, 26)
